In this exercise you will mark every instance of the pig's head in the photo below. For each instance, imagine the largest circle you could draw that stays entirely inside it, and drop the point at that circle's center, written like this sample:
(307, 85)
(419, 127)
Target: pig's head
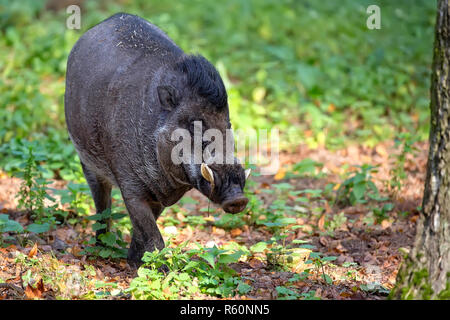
(196, 125)
(224, 185)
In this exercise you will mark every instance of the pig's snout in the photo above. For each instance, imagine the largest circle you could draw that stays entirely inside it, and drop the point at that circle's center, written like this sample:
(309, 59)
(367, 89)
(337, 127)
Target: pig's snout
(235, 205)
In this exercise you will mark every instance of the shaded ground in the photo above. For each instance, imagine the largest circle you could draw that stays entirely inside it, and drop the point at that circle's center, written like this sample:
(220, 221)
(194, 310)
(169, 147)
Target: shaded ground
(367, 252)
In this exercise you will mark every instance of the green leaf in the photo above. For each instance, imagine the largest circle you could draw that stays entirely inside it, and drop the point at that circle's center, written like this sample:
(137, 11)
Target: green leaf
(243, 288)
(230, 258)
(258, 247)
(184, 276)
(209, 257)
(97, 226)
(359, 189)
(105, 253)
(314, 255)
(299, 241)
(330, 258)
(95, 217)
(10, 226)
(108, 238)
(191, 265)
(117, 216)
(119, 253)
(286, 293)
(38, 228)
(328, 278)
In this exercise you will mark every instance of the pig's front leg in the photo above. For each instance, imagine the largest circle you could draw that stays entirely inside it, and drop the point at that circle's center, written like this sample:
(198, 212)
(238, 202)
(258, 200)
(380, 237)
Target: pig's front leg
(146, 235)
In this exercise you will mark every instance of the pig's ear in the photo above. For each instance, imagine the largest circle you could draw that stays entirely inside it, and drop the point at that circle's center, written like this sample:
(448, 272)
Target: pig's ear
(168, 96)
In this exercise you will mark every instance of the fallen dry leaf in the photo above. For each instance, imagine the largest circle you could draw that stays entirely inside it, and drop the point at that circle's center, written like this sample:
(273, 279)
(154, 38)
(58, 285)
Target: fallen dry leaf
(346, 294)
(33, 251)
(236, 232)
(33, 293)
(414, 218)
(340, 249)
(180, 216)
(265, 185)
(323, 241)
(76, 251)
(321, 223)
(218, 231)
(299, 257)
(280, 174)
(381, 150)
(318, 293)
(327, 207)
(385, 224)
(255, 263)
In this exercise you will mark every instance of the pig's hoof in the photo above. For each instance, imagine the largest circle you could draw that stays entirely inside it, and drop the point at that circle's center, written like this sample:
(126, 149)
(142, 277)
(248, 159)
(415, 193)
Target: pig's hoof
(134, 264)
(134, 259)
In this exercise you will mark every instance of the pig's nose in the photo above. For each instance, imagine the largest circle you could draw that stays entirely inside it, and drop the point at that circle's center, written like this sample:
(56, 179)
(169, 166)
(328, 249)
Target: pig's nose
(235, 205)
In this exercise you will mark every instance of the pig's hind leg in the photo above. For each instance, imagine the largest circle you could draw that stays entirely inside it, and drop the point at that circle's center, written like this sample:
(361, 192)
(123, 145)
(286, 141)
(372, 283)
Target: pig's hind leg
(101, 193)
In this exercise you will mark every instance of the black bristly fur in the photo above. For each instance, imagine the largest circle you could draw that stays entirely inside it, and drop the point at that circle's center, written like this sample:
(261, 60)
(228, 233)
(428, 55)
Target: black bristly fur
(203, 79)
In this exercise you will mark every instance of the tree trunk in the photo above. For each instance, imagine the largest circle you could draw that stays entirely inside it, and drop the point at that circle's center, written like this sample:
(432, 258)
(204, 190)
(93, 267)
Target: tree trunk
(425, 273)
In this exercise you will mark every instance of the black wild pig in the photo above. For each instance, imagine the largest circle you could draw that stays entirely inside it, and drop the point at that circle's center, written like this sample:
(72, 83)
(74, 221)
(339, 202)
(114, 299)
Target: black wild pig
(128, 87)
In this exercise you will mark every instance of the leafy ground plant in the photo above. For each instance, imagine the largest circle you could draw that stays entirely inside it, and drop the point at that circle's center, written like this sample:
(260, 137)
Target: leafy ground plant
(188, 273)
(6, 226)
(359, 187)
(33, 193)
(319, 261)
(405, 142)
(111, 243)
(63, 281)
(382, 214)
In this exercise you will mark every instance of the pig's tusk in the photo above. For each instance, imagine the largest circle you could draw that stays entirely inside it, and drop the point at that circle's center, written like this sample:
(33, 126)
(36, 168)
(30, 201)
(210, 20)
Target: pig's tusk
(207, 174)
(247, 173)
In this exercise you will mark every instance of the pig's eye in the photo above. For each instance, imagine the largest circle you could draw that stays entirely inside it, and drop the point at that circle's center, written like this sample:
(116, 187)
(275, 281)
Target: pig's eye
(204, 145)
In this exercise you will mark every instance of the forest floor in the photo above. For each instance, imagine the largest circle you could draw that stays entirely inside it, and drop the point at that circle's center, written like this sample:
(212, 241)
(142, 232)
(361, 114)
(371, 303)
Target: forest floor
(368, 251)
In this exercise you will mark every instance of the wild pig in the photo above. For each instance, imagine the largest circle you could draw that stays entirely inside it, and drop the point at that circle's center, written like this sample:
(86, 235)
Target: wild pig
(128, 87)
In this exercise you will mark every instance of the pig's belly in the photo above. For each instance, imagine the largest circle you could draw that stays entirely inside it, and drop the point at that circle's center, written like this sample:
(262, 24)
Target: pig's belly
(100, 167)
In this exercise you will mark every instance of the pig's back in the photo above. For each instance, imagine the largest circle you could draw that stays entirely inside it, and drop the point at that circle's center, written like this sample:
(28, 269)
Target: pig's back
(110, 51)
(107, 71)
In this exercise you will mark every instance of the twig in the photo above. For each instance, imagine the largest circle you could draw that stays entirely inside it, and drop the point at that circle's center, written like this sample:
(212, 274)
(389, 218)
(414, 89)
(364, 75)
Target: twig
(13, 287)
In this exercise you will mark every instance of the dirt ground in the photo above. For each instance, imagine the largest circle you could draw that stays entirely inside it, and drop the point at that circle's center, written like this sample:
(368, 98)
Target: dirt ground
(366, 252)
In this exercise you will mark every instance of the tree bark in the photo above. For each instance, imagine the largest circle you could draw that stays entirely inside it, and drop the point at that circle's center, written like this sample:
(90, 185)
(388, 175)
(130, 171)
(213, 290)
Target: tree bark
(425, 273)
